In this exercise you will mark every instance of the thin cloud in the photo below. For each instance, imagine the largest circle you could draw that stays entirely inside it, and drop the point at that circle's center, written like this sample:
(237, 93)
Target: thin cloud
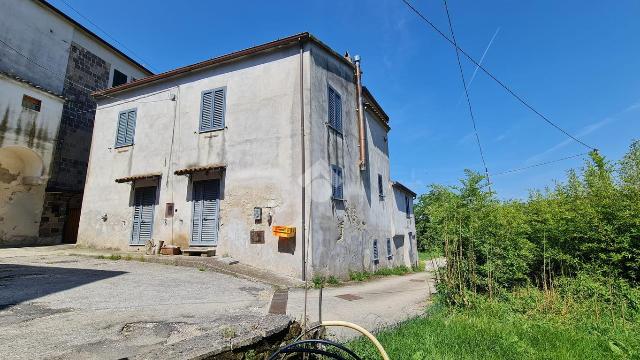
(466, 138)
(584, 132)
(486, 50)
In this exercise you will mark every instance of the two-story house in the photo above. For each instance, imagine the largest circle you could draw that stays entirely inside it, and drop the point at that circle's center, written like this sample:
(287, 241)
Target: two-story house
(220, 153)
(49, 61)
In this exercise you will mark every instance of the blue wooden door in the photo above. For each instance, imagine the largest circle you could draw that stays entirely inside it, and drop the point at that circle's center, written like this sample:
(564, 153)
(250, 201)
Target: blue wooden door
(144, 199)
(204, 223)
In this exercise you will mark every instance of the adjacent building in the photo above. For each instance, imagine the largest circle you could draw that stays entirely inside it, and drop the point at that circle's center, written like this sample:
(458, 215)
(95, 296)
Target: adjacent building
(49, 65)
(222, 153)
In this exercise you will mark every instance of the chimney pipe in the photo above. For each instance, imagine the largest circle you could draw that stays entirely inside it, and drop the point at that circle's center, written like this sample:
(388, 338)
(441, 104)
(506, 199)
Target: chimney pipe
(361, 129)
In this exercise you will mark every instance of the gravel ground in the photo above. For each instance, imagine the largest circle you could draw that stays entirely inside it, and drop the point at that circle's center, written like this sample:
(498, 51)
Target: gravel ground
(54, 306)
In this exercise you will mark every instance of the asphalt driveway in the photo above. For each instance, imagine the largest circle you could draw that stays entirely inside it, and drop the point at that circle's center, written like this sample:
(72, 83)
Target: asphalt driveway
(78, 307)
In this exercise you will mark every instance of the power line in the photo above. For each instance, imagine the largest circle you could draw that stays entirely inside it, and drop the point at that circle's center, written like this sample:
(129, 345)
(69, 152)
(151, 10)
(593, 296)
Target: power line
(503, 85)
(539, 164)
(466, 93)
(109, 35)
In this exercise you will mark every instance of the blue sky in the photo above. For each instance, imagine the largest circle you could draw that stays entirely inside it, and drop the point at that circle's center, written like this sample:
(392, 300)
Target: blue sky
(578, 62)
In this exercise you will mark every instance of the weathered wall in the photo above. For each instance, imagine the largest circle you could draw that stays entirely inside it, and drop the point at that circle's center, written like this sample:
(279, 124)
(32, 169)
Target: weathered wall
(343, 232)
(26, 147)
(404, 227)
(45, 37)
(65, 59)
(259, 145)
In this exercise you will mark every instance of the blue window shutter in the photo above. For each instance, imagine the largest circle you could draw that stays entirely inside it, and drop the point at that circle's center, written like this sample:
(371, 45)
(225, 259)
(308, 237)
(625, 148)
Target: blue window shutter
(380, 187)
(204, 229)
(375, 251)
(131, 126)
(340, 183)
(389, 252)
(121, 133)
(126, 128)
(212, 110)
(331, 106)
(218, 109)
(338, 112)
(337, 182)
(144, 199)
(206, 111)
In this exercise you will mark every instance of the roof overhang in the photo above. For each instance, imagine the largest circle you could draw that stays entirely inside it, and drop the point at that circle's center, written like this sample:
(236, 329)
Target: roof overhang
(133, 178)
(405, 189)
(196, 169)
(234, 56)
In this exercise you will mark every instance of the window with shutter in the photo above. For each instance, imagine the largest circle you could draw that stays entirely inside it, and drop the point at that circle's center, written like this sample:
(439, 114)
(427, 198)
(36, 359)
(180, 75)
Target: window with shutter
(407, 206)
(380, 187)
(334, 109)
(212, 111)
(389, 251)
(376, 255)
(144, 199)
(337, 182)
(126, 128)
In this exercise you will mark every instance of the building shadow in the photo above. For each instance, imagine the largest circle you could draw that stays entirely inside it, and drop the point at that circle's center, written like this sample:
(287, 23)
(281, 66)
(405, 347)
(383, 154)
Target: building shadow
(20, 283)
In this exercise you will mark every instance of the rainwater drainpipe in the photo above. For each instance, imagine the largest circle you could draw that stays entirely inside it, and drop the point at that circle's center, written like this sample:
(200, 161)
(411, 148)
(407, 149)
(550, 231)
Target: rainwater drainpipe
(304, 166)
(361, 134)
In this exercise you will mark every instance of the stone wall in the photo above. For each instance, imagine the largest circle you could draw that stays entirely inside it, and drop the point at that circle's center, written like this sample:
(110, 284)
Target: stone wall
(86, 72)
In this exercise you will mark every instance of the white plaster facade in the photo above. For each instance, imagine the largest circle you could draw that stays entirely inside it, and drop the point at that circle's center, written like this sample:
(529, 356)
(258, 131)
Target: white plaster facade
(43, 46)
(45, 37)
(26, 146)
(260, 149)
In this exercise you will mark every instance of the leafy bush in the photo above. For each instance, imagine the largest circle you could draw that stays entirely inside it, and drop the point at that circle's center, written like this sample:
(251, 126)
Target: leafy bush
(588, 224)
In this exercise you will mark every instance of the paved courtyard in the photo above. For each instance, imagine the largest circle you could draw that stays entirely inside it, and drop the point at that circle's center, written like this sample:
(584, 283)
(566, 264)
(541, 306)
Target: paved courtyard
(61, 306)
(79, 307)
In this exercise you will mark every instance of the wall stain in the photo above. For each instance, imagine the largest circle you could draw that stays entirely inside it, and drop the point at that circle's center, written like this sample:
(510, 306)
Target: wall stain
(31, 134)
(19, 127)
(7, 176)
(4, 126)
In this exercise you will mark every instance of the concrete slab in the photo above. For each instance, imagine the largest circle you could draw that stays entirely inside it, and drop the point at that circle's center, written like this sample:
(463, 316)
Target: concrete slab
(56, 306)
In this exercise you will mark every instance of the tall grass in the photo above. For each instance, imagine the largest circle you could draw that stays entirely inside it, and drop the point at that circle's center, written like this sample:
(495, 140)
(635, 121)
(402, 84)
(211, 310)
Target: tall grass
(582, 319)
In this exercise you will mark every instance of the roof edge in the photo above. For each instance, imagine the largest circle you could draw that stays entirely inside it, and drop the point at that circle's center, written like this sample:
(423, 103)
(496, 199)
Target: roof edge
(404, 188)
(232, 56)
(92, 34)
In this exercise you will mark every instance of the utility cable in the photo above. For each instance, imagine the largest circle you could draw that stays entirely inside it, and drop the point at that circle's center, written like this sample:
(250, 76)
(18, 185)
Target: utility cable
(109, 35)
(466, 93)
(539, 164)
(502, 84)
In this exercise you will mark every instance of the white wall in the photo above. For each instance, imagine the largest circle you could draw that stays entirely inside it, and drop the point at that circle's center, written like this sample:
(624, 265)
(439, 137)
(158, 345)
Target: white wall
(45, 37)
(26, 148)
(259, 146)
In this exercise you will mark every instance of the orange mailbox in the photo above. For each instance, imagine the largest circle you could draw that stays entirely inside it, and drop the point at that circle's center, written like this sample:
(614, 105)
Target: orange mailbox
(284, 231)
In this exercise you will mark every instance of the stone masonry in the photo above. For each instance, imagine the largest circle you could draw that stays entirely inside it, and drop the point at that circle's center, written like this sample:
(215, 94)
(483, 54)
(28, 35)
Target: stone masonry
(86, 72)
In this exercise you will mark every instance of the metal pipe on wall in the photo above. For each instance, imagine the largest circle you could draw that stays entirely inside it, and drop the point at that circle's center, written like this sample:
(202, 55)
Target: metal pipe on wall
(304, 165)
(361, 129)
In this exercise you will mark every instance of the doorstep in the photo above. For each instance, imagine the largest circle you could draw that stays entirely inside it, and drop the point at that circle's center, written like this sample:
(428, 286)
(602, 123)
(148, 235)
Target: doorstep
(199, 251)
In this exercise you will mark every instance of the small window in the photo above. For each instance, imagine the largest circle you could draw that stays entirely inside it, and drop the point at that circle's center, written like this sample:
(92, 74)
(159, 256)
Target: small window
(376, 255)
(389, 251)
(407, 209)
(212, 110)
(335, 110)
(31, 103)
(118, 78)
(380, 187)
(126, 128)
(337, 182)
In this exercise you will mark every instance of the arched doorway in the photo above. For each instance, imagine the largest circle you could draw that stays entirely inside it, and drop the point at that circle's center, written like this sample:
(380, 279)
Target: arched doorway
(22, 188)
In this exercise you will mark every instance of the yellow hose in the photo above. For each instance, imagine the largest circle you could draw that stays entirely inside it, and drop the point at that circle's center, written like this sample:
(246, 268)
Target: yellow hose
(360, 329)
